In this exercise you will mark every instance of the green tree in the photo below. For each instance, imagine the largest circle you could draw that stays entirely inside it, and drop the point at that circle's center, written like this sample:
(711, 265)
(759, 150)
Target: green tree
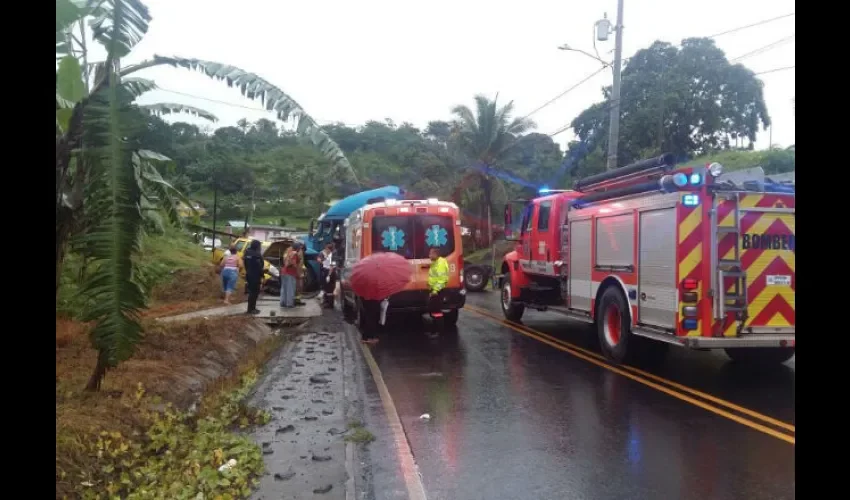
(485, 135)
(105, 181)
(689, 101)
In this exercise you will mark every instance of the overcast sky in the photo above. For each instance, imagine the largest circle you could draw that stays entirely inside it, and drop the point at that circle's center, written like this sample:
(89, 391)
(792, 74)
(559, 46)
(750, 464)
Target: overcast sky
(354, 61)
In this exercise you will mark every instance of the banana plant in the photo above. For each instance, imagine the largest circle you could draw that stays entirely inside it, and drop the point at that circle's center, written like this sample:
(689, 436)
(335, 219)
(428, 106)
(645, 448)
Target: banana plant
(106, 184)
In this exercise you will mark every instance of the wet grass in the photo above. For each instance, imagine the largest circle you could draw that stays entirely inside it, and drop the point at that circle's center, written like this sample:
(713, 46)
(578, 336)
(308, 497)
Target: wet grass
(357, 433)
(137, 432)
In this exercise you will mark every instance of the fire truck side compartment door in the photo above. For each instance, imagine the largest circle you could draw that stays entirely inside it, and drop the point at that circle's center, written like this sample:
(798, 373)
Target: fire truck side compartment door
(615, 240)
(580, 272)
(657, 292)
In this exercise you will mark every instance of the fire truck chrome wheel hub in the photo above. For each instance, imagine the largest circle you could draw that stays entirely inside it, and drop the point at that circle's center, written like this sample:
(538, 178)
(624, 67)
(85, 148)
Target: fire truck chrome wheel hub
(506, 296)
(612, 325)
(474, 279)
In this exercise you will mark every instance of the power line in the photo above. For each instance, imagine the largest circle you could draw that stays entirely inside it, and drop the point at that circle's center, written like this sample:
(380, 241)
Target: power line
(774, 70)
(740, 28)
(234, 105)
(764, 48)
(562, 94)
(759, 23)
(722, 33)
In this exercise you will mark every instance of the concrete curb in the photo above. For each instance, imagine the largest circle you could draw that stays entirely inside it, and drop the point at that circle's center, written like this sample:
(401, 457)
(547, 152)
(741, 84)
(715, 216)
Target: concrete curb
(349, 390)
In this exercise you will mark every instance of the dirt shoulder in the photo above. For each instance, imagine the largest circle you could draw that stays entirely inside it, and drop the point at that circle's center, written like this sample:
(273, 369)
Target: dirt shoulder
(142, 428)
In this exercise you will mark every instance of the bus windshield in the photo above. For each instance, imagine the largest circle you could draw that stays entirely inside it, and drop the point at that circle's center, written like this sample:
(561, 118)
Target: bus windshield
(412, 235)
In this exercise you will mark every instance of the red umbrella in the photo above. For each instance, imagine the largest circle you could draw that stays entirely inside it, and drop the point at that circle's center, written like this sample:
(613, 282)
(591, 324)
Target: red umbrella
(380, 275)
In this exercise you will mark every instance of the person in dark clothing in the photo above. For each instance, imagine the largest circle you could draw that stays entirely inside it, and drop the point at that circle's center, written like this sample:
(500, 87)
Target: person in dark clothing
(253, 260)
(371, 318)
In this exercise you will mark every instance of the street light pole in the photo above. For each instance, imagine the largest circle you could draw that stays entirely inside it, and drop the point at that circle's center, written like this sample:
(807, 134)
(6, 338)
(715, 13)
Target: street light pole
(614, 126)
(215, 212)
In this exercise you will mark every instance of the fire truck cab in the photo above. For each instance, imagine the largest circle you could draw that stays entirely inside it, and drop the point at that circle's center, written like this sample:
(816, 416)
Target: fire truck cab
(656, 257)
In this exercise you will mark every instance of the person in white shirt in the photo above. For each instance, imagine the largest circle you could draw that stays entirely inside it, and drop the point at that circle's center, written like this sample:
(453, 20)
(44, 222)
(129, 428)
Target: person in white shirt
(327, 265)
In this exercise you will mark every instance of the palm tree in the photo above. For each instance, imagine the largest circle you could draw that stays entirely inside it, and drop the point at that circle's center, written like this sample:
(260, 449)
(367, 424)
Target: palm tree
(105, 183)
(485, 135)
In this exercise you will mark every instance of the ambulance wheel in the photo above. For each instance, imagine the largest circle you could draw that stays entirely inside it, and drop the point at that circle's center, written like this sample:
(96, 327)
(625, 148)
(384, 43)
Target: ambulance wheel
(511, 309)
(760, 356)
(450, 318)
(363, 321)
(614, 328)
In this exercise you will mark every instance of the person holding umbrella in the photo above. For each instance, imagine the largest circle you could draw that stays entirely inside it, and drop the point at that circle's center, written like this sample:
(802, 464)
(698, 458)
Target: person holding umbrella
(374, 280)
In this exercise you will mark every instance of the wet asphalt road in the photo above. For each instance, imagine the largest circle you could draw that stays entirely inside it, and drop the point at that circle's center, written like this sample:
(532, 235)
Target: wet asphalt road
(514, 418)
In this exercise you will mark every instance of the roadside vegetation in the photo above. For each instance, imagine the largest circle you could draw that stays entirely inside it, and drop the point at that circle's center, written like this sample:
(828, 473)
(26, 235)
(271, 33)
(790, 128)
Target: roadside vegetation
(144, 409)
(166, 419)
(148, 409)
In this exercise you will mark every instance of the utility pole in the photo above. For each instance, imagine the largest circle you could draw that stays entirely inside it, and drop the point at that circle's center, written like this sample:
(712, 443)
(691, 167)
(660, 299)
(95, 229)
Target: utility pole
(215, 212)
(614, 126)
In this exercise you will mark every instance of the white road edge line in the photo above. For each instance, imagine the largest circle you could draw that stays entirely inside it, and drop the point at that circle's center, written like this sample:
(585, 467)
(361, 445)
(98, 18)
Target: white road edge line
(412, 477)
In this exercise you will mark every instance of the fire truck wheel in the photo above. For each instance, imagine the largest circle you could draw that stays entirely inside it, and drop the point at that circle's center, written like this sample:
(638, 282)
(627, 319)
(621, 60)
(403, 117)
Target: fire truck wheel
(760, 356)
(512, 310)
(614, 328)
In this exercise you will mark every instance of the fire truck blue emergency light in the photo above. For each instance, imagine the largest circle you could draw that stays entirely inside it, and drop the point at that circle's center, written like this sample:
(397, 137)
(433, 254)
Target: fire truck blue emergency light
(690, 200)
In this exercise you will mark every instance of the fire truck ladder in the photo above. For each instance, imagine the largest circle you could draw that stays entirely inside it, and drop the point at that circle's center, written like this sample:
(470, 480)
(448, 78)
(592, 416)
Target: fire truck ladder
(729, 268)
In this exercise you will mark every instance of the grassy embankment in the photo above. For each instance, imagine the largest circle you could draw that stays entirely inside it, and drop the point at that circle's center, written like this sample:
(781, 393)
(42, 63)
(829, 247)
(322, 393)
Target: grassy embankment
(166, 419)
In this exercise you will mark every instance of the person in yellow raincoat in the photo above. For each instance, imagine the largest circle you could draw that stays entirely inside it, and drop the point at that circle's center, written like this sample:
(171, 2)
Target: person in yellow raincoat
(438, 278)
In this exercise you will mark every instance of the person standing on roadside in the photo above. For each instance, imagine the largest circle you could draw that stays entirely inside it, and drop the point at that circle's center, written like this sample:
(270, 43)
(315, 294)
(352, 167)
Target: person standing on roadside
(326, 258)
(253, 261)
(230, 268)
(302, 272)
(288, 276)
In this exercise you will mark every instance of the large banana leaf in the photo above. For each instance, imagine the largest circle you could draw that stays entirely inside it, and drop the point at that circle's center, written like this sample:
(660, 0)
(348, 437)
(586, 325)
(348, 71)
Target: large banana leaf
(157, 191)
(167, 108)
(253, 86)
(114, 194)
(119, 25)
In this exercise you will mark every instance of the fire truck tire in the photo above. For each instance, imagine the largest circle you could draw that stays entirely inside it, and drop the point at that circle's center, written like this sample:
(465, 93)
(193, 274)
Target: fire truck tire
(511, 309)
(614, 328)
(760, 356)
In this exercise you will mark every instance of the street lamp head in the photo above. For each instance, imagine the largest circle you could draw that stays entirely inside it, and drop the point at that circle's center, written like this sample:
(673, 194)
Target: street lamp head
(565, 47)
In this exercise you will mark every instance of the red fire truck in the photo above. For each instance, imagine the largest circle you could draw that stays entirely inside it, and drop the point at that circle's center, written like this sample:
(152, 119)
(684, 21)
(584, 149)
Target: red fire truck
(656, 256)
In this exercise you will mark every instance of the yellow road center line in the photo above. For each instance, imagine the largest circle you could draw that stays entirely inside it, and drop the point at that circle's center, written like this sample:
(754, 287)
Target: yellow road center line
(683, 388)
(412, 479)
(593, 358)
